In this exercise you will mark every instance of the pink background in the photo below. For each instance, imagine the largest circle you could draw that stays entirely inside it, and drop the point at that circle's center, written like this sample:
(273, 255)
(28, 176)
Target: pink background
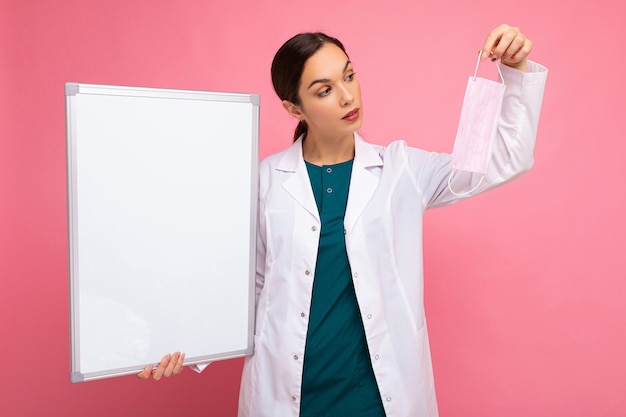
(525, 286)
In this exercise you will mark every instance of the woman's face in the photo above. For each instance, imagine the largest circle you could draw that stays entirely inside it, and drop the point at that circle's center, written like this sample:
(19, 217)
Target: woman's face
(330, 95)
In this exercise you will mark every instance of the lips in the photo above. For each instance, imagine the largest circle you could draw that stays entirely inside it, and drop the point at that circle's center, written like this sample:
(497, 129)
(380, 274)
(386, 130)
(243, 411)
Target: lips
(351, 115)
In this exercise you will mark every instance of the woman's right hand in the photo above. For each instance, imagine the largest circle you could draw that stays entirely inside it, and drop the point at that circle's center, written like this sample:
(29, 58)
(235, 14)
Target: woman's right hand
(171, 364)
(508, 44)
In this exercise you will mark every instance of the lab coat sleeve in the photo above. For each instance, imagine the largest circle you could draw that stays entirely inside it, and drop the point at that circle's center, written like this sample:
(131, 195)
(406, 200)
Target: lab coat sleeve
(513, 145)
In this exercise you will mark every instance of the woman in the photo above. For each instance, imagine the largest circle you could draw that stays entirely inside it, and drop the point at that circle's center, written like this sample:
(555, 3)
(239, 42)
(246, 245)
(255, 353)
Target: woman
(340, 325)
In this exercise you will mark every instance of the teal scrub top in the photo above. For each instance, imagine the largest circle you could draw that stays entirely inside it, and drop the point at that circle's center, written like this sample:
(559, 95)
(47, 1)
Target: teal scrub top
(337, 378)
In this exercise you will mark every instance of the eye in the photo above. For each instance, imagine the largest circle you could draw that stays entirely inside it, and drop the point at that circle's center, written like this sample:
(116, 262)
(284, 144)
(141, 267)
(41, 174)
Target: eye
(351, 76)
(324, 92)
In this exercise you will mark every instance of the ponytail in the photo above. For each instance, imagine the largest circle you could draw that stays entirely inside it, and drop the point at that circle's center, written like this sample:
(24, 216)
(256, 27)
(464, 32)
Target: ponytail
(301, 129)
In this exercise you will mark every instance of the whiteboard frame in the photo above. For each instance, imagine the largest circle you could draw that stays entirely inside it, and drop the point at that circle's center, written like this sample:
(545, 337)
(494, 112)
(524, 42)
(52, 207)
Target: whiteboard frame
(72, 91)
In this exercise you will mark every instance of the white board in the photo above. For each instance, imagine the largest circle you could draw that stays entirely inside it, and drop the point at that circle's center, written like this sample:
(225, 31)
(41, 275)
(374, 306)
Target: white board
(162, 199)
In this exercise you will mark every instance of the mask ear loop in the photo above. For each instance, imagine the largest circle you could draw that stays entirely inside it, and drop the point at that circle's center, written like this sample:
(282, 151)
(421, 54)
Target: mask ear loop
(497, 66)
(452, 173)
(477, 64)
(465, 193)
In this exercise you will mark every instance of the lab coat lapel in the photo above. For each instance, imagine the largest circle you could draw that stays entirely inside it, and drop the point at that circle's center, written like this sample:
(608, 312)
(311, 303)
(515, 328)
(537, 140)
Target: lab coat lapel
(298, 184)
(363, 182)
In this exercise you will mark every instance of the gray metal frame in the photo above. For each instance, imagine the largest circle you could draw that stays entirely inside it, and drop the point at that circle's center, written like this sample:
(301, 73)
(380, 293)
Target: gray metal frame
(74, 90)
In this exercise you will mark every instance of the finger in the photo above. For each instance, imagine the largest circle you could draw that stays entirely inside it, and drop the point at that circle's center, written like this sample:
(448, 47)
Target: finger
(160, 369)
(515, 48)
(510, 38)
(521, 54)
(169, 370)
(146, 372)
(492, 41)
(179, 365)
(175, 365)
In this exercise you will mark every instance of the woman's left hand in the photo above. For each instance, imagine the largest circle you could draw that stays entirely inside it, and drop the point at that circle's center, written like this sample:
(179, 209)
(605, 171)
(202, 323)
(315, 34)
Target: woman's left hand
(509, 45)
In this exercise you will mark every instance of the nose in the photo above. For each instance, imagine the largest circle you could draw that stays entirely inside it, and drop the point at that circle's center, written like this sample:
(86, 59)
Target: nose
(347, 97)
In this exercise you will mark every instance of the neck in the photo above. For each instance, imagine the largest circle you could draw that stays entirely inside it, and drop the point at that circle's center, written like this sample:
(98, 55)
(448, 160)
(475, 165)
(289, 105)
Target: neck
(326, 151)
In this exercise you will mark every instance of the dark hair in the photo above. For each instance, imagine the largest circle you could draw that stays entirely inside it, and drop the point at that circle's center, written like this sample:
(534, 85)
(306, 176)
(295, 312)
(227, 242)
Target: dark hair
(288, 65)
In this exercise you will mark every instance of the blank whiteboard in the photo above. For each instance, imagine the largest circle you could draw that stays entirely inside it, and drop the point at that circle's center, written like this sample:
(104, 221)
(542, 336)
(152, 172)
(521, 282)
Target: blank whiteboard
(162, 200)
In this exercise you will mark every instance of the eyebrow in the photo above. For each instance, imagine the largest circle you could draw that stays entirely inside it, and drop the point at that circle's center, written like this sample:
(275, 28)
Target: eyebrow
(326, 80)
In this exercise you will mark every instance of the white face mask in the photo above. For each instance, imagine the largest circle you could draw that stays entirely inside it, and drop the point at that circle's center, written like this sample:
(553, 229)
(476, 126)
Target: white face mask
(477, 126)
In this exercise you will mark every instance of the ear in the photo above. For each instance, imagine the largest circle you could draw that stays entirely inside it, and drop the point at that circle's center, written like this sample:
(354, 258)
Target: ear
(293, 109)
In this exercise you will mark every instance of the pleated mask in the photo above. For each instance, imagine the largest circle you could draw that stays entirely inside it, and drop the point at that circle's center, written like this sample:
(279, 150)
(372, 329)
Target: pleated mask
(481, 109)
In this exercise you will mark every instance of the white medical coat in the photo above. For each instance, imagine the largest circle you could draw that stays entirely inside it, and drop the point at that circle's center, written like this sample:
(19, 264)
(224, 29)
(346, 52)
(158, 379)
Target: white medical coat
(390, 189)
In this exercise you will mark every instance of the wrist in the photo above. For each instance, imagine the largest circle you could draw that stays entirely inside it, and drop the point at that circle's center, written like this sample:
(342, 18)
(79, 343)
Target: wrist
(520, 66)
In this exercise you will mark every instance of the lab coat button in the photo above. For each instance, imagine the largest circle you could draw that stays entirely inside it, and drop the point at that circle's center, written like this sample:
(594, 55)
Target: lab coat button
(307, 272)
(295, 357)
(356, 275)
(369, 316)
(314, 228)
(388, 399)
(301, 314)
(293, 397)
(377, 357)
